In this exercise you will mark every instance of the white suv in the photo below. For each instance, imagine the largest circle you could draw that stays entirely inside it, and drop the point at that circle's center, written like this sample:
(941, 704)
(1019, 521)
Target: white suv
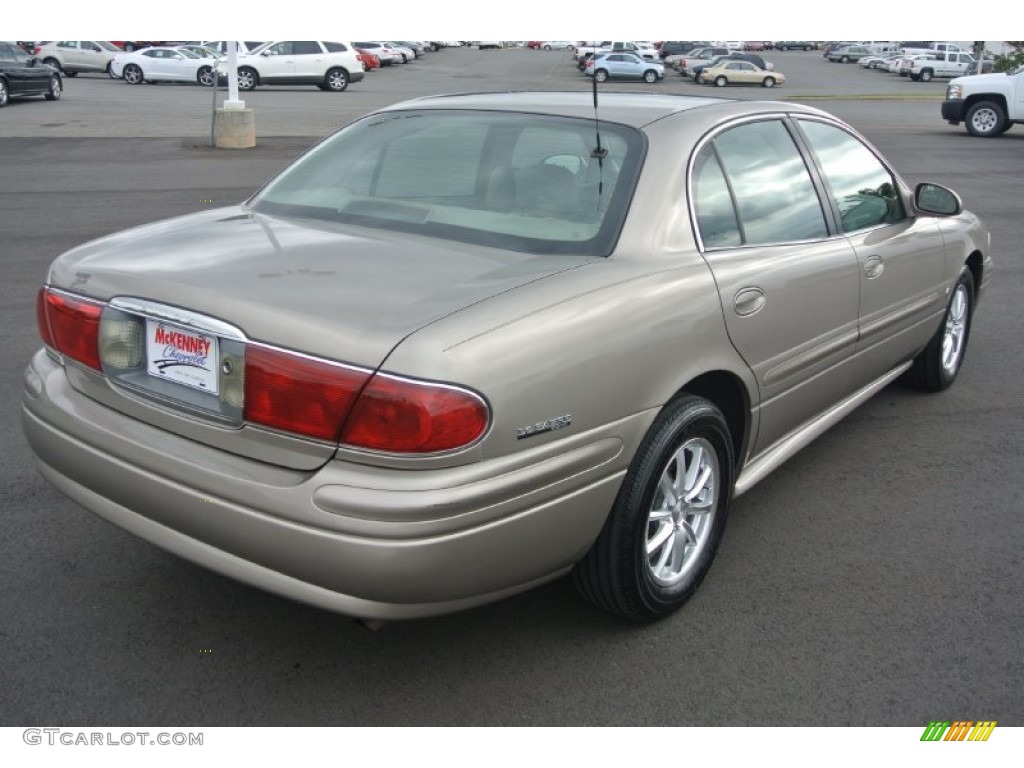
(328, 65)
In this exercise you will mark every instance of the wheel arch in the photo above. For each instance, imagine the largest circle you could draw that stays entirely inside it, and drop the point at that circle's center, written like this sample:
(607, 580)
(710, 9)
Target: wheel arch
(727, 391)
(973, 99)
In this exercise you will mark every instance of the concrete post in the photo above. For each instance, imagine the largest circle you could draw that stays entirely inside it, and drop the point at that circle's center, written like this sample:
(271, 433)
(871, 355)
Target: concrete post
(234, 126)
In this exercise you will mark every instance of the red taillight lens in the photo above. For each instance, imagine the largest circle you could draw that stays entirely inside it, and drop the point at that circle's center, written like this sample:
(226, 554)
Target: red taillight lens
(298, 394)
(404, 416)
(70, 325)
(42, 321)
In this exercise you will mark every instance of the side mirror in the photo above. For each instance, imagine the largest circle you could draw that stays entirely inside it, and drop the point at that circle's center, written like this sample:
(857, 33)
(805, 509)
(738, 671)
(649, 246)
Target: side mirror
(936, 199)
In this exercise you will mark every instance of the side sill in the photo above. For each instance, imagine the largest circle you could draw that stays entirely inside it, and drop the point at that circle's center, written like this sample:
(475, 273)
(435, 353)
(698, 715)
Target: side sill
(780, 452)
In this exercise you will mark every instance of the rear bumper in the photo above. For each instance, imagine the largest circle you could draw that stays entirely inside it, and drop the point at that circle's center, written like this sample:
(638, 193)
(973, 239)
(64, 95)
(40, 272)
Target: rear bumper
(366, 541)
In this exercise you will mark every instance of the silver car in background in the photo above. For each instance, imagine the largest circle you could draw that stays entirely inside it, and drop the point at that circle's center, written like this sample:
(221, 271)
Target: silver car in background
(470, 344)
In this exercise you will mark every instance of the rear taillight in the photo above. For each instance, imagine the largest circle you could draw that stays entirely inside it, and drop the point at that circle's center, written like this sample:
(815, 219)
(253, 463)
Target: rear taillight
(360, 409)
(405, 416)
(70, 325)
(299, 394)
(283, 390)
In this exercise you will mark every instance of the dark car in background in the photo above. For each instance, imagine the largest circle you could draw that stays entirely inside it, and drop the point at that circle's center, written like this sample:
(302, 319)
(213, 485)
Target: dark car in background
(24, 75)
(794, 45)
(674, 47)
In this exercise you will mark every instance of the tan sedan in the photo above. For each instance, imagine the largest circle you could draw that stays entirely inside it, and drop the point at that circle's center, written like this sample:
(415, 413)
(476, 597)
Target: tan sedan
(473, 343)
(741, 73)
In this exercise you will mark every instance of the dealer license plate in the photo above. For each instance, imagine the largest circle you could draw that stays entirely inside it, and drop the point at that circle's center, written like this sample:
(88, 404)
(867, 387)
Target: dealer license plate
(182, 355)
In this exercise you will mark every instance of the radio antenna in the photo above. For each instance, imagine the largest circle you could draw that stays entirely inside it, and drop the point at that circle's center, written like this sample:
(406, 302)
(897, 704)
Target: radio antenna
(599, 152)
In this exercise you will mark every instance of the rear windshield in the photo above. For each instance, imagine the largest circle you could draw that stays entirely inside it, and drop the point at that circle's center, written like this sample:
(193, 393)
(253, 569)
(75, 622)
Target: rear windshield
(524, 182)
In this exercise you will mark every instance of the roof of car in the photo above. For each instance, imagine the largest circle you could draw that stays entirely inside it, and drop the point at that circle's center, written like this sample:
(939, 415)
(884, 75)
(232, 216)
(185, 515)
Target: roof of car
(636, 109)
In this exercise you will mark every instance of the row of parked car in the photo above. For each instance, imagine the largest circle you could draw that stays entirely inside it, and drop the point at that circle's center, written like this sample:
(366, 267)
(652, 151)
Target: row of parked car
(716, 65)
(331, 66)
(940, 59)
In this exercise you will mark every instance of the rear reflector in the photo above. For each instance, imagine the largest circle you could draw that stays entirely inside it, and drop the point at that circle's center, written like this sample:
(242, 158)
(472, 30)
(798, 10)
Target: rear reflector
(405, 416)
(299, 394)
(71, 326)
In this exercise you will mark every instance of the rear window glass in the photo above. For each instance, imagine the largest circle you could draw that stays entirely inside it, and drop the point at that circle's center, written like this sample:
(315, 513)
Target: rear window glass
(524, 182)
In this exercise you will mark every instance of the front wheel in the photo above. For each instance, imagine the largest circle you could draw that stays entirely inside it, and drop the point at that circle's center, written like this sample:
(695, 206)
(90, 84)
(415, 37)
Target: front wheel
(205, 76)
(937, 366)
(336, 80)
(650, 76)
(53, 89)
(132, 74)
(246, 79)
(660, 538)
(721, 81)
(985, 119)
(768, 82)
(601, 75)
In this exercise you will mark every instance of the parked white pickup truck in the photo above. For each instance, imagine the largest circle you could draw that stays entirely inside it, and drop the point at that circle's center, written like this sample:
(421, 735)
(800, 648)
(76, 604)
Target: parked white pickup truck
(949, 64)
(618, 46)
(935, 48)
(987, 105)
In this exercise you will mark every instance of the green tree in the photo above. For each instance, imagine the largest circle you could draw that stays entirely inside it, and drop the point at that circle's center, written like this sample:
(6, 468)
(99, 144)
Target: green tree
(1012, 59)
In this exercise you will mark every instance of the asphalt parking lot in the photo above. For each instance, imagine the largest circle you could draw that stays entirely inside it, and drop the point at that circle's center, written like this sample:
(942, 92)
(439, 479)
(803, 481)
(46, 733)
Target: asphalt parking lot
(875, 579)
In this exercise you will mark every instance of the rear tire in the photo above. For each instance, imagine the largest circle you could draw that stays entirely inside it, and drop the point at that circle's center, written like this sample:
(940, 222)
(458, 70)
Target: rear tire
(660, 538)
(336, 80)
